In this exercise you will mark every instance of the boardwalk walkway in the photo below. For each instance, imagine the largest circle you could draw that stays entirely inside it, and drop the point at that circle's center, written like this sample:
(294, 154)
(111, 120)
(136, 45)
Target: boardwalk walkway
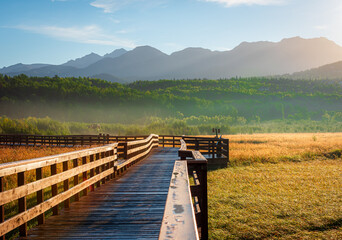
(130, 207)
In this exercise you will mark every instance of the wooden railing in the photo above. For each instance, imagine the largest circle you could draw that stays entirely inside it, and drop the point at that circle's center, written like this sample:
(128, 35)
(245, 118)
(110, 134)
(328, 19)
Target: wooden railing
(216, 150)
(186, 210)
(133, 151)
(53, 140)
(64, 177)
(84, 170)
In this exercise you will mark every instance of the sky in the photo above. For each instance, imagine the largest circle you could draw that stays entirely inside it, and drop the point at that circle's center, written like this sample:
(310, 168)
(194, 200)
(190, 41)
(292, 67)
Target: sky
(55, 31)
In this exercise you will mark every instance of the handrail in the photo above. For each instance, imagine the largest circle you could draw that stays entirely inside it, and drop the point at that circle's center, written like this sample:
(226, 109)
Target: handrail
(197, 167)
(216, 150)
(26, 165)
(97, 164)
(179, 221)
(134, 151)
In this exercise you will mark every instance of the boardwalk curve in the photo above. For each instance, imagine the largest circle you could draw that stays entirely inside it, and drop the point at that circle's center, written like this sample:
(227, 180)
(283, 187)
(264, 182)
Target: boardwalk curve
(129, 207)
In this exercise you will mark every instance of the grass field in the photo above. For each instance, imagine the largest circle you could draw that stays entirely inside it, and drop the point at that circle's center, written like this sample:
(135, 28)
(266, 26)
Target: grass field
(280, 186)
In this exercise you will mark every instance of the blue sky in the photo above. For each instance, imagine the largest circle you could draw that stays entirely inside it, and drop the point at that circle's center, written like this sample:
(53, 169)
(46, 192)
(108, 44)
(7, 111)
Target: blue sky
(55, 31)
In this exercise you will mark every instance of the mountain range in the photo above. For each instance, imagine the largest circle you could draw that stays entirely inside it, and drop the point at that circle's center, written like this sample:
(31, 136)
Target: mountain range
(289, 56)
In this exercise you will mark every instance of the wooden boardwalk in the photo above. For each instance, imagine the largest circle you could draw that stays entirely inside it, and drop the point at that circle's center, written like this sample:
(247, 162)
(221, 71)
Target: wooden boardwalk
(129, 207)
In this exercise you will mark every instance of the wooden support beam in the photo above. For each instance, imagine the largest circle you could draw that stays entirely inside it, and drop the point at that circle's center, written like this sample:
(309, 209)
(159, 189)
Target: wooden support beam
(77, 195)
(103, 181)
(92, 173)
(2, 207)
(66, 185)
(22, 205)
(54, 189)
(40, 196)
(97, 170)
(84, 176)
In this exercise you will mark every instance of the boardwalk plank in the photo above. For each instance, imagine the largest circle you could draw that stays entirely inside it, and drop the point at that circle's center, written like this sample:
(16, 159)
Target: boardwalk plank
(130, 207)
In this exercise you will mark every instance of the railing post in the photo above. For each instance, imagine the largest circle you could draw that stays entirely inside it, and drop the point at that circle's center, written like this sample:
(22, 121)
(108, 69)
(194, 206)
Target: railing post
(204, 200)
(103, 167)
(107, 165)
(125, 150)
(219, 149)
(2, 208)
(163, 141)
(97, 170)
(84, 161)
(54, 189)
(22, 205)
(227, 150)
(196, 144)
(112, 153)
(40, 196)
(66, 185)
(92, 187)
(77, 195)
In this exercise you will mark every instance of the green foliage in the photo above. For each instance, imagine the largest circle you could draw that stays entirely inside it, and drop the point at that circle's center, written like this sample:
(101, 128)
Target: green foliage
(31, 125)
(236, 104)
(168, 126)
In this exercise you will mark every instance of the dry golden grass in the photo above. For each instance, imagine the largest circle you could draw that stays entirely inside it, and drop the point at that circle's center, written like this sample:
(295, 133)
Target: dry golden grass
(277, 201)
(292, 199)
(11, 154)
(246, 149)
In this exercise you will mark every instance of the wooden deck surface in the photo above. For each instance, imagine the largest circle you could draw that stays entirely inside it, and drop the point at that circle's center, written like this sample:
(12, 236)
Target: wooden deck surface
(130, 207)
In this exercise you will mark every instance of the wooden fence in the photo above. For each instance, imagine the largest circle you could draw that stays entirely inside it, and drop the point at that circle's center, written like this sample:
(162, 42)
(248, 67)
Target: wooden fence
(53, 140)
(186, 210)
(47, 183)
(216, 150)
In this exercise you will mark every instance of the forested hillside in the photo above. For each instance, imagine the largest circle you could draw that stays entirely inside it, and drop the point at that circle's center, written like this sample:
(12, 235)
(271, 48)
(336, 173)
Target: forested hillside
(223, 102)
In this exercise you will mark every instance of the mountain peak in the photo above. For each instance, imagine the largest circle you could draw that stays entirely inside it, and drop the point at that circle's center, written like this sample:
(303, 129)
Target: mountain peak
(116, 53)
(146, 51)
(83, 61)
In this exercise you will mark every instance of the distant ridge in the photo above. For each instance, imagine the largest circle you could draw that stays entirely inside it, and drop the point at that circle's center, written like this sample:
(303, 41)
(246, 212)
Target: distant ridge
(329, 71)
(83, 61)
(263, 58)
(19, 67)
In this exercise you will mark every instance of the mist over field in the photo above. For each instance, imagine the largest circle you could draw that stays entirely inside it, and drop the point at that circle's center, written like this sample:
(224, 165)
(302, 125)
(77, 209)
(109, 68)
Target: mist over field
(248, 104)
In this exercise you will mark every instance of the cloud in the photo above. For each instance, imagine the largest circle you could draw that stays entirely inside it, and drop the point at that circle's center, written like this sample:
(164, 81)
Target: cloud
(107, 5)
(321, 27)
(110, 6)
(90, 34)
(231, 3)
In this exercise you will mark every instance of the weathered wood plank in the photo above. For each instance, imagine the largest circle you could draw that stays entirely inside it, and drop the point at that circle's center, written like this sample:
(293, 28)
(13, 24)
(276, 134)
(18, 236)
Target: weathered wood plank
(26, 165)
(142, 141)
(179, 221)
